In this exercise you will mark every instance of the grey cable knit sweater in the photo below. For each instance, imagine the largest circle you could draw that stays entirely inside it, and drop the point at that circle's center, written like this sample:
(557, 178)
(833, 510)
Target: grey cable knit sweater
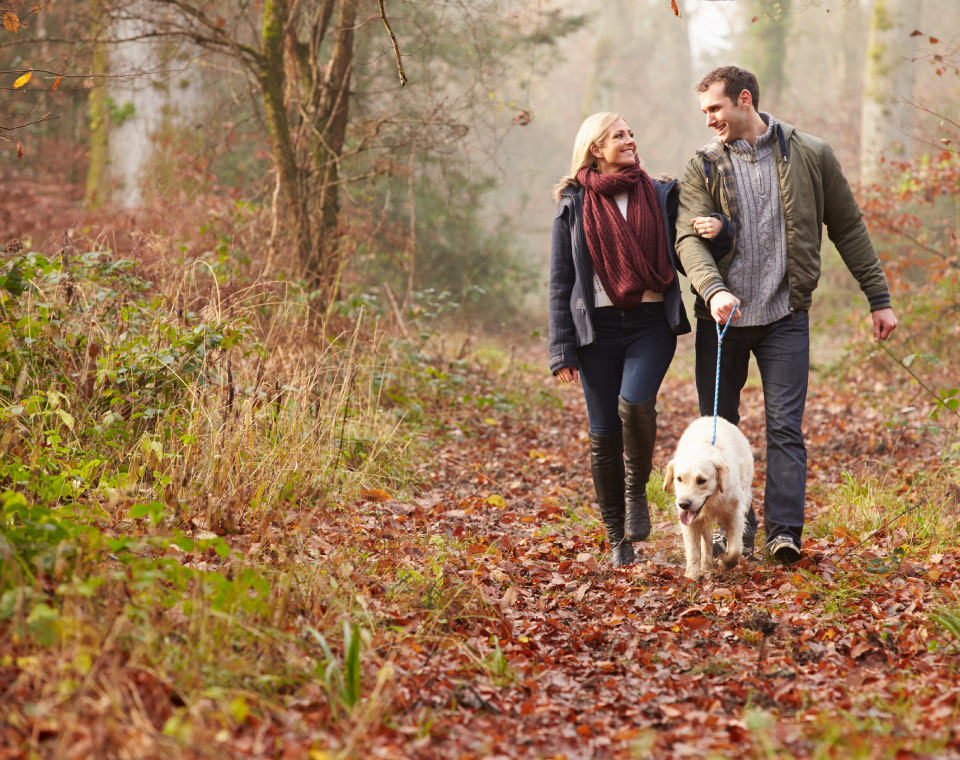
(758, 270)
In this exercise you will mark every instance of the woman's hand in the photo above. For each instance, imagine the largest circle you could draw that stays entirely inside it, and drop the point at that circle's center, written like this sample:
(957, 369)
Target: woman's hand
(707, 227)
(568, 375)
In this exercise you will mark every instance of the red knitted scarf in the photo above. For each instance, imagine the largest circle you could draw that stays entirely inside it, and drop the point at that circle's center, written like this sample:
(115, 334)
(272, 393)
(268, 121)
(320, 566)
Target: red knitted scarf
(629, 255)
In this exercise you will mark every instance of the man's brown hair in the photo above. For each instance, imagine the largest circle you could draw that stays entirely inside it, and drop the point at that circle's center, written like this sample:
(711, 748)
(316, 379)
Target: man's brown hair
(735, 80)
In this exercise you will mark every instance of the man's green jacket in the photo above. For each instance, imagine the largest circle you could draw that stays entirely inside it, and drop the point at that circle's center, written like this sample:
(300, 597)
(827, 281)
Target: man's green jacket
(814, 192)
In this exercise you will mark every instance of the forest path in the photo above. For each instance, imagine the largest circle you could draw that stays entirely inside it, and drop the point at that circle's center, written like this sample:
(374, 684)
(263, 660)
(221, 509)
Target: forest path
(568, 658)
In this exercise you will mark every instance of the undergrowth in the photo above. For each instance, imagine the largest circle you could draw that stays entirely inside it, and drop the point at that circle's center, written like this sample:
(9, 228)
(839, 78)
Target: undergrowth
(179, 467)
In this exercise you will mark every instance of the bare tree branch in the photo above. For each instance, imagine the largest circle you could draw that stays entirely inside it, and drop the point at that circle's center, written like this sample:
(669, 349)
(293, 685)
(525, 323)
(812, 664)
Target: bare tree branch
(396, 46)
(47, 117)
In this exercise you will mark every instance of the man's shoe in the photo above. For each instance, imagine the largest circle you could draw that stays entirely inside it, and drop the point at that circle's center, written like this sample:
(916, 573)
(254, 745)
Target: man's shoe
(720, 544)
(784, 549)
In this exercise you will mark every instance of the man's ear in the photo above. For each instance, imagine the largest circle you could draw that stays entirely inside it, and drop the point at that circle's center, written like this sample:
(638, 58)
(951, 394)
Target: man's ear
(745, 99)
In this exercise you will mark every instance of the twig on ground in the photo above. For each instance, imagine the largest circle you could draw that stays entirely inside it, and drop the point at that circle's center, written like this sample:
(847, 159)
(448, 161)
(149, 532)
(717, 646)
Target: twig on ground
(873, 533)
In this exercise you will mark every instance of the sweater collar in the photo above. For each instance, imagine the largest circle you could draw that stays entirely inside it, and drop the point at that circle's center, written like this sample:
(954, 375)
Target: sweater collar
(742, 147)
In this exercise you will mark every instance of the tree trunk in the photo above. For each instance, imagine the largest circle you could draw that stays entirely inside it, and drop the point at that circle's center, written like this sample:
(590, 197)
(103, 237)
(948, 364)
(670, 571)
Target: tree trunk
(324, 264)
(272, 83)
(766, 48)
(97, 192)
(888, 86)
(599, 95)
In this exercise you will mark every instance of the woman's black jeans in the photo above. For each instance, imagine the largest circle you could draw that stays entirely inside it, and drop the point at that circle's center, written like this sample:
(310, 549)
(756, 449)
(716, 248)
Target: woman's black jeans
(629, 357)
(782, 351)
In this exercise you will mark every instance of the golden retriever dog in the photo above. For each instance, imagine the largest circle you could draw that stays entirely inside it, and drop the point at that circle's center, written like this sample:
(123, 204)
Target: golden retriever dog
(712, 484)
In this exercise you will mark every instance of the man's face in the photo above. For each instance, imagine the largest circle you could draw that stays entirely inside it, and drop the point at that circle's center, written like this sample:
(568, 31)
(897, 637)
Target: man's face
(728, 119)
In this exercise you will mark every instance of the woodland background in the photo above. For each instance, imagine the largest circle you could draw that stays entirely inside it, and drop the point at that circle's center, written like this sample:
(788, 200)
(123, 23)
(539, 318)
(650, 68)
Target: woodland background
(282, 471)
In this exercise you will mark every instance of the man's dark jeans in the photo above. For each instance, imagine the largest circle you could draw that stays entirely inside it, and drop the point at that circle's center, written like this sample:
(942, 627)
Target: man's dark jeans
(782, 351)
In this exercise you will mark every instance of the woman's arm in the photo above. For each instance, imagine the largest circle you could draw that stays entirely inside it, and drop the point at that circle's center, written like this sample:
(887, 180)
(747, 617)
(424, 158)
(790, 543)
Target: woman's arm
(563, 342)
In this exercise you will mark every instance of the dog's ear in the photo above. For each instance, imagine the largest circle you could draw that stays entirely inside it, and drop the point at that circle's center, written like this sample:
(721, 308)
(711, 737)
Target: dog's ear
(668, 477)
(721, 475)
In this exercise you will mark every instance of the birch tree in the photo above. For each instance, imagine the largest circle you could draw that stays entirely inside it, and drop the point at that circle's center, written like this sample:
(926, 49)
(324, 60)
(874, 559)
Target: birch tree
(888, 84)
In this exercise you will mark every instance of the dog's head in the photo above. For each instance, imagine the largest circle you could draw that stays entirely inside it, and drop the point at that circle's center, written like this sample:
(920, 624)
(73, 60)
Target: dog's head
(693, 481)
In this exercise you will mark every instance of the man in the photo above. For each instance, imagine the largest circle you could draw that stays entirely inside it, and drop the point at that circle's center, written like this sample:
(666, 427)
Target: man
(779, 186)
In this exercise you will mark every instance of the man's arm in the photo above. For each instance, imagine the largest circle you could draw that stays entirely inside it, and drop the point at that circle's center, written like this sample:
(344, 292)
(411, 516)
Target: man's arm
(848, 232)
(694, 252)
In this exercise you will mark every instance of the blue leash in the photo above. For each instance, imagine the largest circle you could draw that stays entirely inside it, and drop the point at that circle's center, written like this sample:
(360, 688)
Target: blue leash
(716, 386)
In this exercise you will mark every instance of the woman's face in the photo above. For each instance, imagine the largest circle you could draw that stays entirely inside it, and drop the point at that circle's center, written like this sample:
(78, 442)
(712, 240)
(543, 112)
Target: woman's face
(618, 151)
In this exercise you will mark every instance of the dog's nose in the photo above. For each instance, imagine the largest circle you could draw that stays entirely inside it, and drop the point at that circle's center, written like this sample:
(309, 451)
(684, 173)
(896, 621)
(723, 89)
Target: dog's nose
(683, 504)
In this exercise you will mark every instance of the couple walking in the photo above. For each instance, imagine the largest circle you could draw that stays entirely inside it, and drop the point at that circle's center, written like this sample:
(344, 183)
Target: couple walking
(744, 224)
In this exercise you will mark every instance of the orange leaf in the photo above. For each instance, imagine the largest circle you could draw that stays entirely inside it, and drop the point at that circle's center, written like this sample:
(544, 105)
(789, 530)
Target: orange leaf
(375, 494)
(674, 8)
(56, 84)
(934, 40)
(19, 150)
(22, 80)
(11, 22)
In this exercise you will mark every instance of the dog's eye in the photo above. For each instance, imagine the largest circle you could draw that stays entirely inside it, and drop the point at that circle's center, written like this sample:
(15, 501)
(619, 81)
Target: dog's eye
(701, 480)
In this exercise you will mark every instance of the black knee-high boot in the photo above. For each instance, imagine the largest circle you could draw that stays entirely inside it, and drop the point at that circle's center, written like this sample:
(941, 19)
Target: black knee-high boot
(639, 435)
(606, 466)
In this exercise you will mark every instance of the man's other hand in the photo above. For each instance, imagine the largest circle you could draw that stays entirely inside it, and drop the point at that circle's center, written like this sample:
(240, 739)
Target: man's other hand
(884, 323)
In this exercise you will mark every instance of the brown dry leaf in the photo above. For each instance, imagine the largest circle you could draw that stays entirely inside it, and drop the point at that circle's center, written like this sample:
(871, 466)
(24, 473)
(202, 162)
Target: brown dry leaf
(675, 8)
(11, 22)
(375, 494)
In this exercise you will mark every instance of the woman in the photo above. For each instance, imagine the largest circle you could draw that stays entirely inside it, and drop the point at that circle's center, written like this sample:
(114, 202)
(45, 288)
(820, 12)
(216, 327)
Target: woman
(616, 311)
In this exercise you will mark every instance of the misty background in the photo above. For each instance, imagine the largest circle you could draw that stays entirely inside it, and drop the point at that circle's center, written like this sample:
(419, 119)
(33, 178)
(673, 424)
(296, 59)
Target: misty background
(443, 186)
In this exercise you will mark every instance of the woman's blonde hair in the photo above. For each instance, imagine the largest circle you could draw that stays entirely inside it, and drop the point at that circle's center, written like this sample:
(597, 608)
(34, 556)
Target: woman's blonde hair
(593, 131)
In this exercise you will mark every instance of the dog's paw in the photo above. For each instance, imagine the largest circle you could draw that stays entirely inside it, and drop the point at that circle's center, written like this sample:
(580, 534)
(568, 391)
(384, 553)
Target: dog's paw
(730, 560)
(692, 574)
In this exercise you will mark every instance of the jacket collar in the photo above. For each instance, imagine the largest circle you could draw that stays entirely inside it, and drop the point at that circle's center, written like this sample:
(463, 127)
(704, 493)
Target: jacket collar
(715, 151)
